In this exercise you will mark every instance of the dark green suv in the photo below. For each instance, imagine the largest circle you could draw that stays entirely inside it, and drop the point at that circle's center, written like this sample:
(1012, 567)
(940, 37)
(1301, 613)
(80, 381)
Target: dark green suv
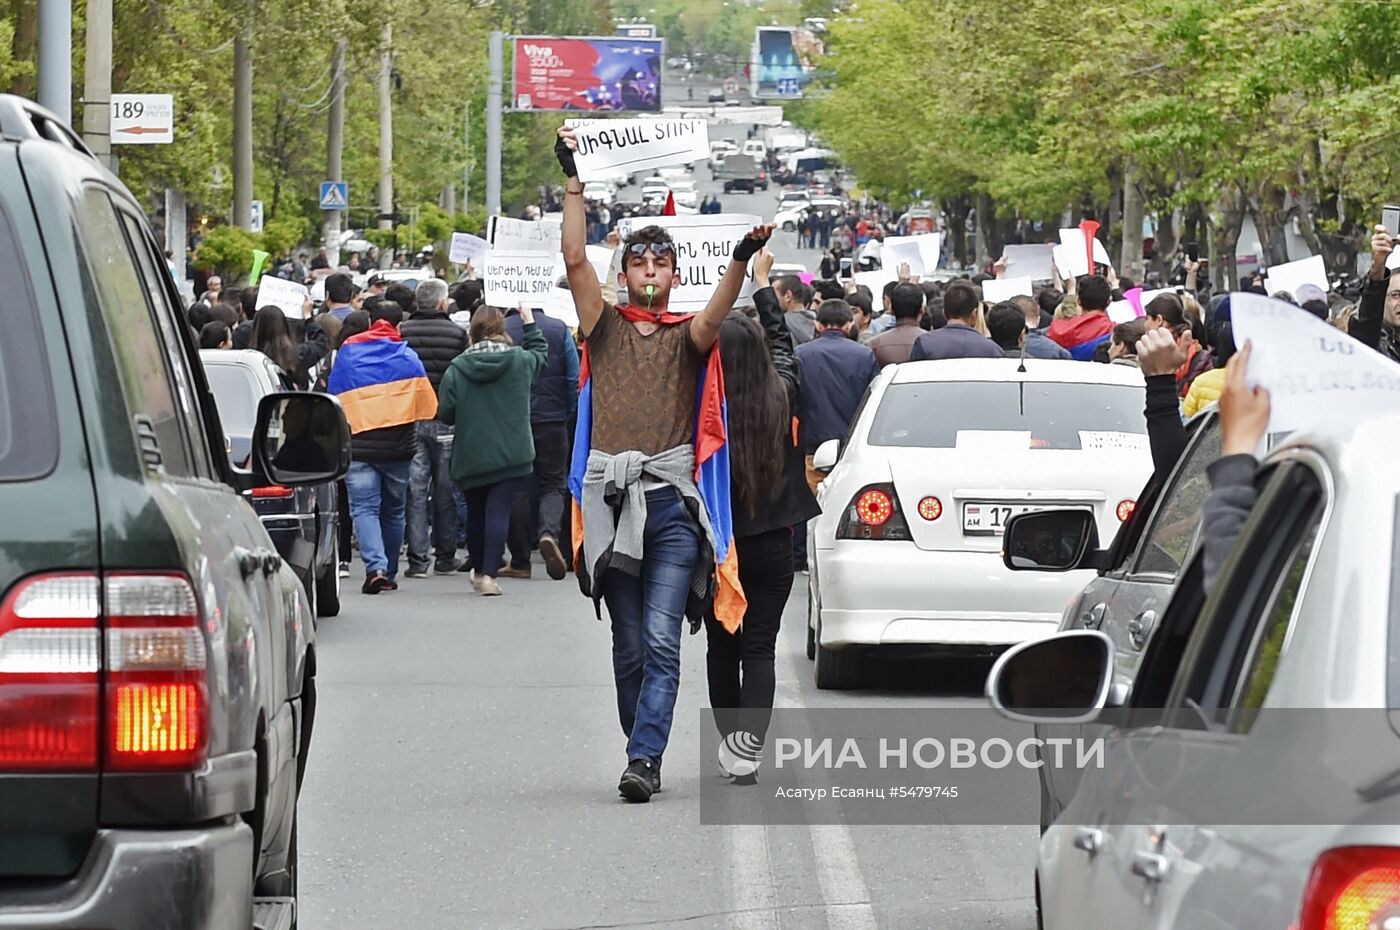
(157, 658)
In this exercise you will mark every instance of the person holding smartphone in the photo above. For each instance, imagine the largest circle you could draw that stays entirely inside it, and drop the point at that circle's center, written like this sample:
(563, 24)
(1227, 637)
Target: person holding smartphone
(1378, 312)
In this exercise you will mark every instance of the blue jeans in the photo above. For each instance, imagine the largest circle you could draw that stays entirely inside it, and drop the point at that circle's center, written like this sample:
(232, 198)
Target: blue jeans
(378, 494)
(430, 485)
(647, 614)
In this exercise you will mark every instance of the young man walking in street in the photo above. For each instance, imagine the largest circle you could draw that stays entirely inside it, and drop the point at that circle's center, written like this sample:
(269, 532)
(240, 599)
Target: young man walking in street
(437, 341)
(653, 530)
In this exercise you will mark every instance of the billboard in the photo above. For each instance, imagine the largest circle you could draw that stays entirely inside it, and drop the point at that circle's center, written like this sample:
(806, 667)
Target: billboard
(784, 61)
(581, 73)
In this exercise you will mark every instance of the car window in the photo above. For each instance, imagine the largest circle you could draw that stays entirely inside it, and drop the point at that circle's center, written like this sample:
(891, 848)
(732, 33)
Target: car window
(28, 419)
(236, 392)
(111, 278)
(1177, 523)
(1268, 642)
(1058, 415)
(167, 317)
(1237, 639)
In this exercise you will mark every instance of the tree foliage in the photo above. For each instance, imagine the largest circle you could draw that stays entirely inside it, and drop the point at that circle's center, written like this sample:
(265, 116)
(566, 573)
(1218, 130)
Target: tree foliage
(1278, 108)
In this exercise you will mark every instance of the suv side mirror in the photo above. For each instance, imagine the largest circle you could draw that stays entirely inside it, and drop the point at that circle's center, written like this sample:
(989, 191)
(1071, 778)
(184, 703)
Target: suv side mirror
(824, 459)
(1051, 541)
(301, 438)
(1064, 678)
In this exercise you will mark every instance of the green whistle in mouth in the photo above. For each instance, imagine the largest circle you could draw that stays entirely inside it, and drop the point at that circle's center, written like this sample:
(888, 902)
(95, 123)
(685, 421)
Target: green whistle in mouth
(651, 294)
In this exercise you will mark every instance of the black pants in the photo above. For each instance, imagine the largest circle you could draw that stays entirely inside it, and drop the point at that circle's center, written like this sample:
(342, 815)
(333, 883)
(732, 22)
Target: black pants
(541, 496)
(740, 664)
(488, 519)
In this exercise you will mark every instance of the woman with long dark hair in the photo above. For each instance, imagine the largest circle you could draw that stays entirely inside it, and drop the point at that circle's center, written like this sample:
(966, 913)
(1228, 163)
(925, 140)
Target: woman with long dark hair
(272, 336)
(769, 493)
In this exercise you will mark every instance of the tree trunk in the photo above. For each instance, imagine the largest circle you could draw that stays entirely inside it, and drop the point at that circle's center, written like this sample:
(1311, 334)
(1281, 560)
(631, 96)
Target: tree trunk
(985, 213)
(1112, 219)
(1130, 263)
(1227, 238)
(956, 209)
(25, 46)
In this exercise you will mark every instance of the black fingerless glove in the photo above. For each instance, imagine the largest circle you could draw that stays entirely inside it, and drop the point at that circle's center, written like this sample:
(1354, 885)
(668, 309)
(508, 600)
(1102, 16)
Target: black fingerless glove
(566, 158)
(747, 248)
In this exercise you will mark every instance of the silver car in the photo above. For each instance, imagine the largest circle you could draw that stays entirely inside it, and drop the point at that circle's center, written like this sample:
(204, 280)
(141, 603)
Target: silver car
(1295, 637)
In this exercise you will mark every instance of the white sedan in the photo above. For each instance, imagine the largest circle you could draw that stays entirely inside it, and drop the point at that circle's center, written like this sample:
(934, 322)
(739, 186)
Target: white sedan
(907, 550)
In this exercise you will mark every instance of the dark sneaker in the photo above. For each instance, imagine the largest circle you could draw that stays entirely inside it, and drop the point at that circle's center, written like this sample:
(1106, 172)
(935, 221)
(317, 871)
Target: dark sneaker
(376, 582)
(553, 558)
(391, 585)
(416, 572)
(639, 781)
(465, 566)
(510, 571)
(447, 568)
(344, 569)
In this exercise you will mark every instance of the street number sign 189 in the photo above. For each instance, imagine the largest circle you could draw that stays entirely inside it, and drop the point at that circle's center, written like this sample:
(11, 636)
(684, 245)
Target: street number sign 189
(143, 119)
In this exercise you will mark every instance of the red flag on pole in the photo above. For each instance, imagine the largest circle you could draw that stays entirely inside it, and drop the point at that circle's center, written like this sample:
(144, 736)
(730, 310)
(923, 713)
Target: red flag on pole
(670, 208)
(1090, 228)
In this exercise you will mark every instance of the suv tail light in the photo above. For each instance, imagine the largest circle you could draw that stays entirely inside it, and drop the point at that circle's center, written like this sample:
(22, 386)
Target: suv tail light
(874, 513)
(49, 663)
(1353, 888)
(157, 703)
(1125, 510)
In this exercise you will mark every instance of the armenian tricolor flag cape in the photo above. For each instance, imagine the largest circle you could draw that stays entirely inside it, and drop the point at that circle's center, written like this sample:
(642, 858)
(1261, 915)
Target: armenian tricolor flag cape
(380, 381)
(1082, 334)
(711, 467)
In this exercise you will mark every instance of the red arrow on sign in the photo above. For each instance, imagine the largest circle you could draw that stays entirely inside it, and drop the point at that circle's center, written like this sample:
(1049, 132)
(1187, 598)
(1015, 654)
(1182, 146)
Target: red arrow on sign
(142, 130)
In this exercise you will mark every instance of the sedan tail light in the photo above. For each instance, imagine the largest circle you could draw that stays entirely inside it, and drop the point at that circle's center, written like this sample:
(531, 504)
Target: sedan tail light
(1353, 888)
(50, 657)
(874, 513)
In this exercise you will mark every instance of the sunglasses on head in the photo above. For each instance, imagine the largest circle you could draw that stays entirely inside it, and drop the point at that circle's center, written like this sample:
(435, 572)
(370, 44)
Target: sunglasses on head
(658, 249)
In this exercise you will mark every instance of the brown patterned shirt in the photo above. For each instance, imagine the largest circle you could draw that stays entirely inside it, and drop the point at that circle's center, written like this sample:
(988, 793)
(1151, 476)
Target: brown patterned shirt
(643, 386)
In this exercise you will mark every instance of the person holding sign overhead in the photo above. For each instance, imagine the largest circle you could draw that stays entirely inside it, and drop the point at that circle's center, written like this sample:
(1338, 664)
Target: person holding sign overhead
(653, 528)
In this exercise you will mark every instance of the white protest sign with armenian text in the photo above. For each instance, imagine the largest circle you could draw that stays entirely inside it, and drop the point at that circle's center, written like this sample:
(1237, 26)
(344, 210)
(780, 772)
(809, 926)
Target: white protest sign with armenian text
(704, 245)
(287, 296)
(1312, 370)
(606, 146)
(520, 266)
(919, 252)
(468, 248)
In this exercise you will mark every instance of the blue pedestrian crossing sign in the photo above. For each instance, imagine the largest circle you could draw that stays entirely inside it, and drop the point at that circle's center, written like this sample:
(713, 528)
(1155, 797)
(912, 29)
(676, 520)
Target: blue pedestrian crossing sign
(335, 195)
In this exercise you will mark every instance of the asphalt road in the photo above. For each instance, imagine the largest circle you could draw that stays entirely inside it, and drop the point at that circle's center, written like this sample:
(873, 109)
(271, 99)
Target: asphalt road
(465, 763)
(464, 769)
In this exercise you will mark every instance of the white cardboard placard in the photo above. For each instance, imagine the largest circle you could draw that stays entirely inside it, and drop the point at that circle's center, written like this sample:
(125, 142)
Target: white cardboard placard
(1069, 254)
(520, 264)
(1030, 261)
(468, 248)
(287, 296)
(704, 245)
(1310, 368)
(921, 252)
(1290, 276)
(606, 146)
(1000, 289)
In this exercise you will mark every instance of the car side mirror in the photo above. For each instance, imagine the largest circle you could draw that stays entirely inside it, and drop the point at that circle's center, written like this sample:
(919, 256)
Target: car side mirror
(1051, 541)
(824, 459)
(301, 438)
(1064, 678)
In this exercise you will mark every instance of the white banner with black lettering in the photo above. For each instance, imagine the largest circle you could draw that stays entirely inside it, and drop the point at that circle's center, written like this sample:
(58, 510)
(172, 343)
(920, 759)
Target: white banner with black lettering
(704, 245)
(606, 146)
(1311, 369)
(520, 266)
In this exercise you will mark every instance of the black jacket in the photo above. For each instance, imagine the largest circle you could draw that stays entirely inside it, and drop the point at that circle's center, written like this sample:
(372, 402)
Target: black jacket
(1166, 434)
(835, 373)
(555, 395)
(436, 339)
(1369, 323)
(390, 444)
(791, 503)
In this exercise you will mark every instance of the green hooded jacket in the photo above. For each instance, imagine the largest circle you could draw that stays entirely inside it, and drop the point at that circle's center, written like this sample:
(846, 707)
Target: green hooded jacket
(485, 398)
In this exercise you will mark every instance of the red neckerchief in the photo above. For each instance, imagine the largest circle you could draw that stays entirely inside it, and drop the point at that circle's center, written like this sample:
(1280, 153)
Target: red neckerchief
(639, 315)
